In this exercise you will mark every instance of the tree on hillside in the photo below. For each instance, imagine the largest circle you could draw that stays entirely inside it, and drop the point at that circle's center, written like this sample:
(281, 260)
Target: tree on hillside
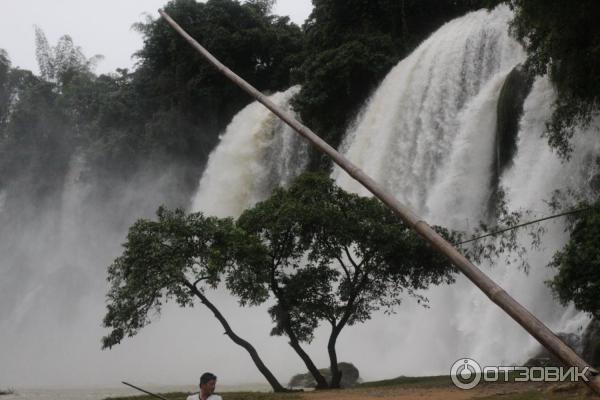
(176, 258)
(329, 257)
(5, 95)
(58, 63)
(175, 85)
(562, 40)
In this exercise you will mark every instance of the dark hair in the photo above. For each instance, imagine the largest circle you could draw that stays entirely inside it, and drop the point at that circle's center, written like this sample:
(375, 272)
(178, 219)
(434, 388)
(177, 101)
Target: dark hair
(207, 377)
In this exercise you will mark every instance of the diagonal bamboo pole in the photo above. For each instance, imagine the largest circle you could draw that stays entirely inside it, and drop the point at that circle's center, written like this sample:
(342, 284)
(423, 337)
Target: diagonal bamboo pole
(158, 396)
(498, 295)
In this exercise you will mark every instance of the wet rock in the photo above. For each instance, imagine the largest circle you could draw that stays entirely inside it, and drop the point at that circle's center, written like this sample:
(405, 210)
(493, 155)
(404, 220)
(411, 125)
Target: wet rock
(543, 358)
(350, 377)
(515, 89)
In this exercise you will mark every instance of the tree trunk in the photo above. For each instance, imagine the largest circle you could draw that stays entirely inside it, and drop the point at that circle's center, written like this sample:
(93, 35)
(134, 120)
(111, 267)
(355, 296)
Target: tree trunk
(277, 387)
(284, 320)
(314, 371)
(336, 375)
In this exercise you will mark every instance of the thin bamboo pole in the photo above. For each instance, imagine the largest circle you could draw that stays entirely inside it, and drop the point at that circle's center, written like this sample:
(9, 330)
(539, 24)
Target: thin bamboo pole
(498, 295)
(158, 396)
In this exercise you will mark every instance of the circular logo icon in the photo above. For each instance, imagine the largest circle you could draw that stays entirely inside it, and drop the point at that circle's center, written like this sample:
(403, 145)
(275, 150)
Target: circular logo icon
(465, 373)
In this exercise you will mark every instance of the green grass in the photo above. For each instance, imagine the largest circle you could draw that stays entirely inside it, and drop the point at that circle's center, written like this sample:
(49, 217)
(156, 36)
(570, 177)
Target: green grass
(513, 391)
(411, 381)
(225, 395)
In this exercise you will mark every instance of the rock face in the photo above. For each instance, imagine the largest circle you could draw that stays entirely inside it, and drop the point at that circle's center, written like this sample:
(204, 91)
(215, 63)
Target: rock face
(509, 110)
(587, 346)
(543, 358)
(591, 343)
(515, 89)
(350, 376)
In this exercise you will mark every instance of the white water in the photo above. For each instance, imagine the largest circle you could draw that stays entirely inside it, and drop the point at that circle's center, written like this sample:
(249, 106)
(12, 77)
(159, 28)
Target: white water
(427, 134)
(257, 153)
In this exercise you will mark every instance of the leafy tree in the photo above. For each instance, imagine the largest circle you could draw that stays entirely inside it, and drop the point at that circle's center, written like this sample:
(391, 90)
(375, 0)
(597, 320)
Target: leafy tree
(175, 84)
(58, 63)
(563, 41)
(36, 143)
(329, 257)
(578, 264)
(5, 95)
(176, 259)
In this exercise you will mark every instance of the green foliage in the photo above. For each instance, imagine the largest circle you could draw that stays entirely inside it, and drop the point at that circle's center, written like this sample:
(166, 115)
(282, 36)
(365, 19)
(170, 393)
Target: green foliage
(330, 256)
(351, 45)
(60, 62)
(563, 41)
(578, 264)
(36, 140)
(171, 74)
(169, 111)
(4, 90)
(161, 261)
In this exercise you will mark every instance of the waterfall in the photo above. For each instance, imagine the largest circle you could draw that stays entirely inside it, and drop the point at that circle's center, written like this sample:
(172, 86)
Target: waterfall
(257, 153)
(427, 135)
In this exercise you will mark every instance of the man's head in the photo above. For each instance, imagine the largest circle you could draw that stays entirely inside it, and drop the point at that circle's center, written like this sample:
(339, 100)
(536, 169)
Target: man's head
(208, 382)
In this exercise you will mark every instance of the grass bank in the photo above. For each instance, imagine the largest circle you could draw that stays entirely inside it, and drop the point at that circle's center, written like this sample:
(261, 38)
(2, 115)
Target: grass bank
(415, 388)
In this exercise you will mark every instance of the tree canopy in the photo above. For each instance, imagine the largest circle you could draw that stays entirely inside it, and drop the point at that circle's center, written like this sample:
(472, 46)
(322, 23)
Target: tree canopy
(562, 40)
(578, 264)
(168, 112)
(330, 257)
(323, 255)
(176, 258)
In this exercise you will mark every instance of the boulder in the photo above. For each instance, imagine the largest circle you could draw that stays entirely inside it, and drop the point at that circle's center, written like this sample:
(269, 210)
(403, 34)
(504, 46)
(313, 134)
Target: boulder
(543, 358)
(587, 346)
(350, 377)
(591, 343)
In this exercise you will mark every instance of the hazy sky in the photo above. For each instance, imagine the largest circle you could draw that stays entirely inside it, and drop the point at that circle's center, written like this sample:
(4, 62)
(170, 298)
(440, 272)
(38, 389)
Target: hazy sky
(99, 27)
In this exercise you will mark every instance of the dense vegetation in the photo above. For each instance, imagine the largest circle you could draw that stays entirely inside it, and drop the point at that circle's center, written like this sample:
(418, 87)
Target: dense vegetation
(563, 40)
(168, 112)
(171, 108)
(578, 264)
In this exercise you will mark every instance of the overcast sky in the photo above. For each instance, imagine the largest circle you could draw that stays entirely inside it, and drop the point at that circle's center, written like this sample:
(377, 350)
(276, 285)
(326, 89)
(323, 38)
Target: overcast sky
(99, 27)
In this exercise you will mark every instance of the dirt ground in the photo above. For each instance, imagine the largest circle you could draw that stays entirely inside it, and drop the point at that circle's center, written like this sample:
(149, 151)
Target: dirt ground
(449, 393)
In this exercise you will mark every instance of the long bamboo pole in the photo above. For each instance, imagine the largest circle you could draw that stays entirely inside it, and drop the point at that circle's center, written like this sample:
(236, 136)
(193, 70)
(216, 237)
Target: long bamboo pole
(498, 295)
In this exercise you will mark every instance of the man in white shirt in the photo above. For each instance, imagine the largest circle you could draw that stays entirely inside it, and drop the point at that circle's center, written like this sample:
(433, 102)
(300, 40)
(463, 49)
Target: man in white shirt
(208, 382)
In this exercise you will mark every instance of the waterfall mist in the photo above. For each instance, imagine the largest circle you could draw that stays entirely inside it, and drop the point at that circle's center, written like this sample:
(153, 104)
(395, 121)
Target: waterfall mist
(427, 134)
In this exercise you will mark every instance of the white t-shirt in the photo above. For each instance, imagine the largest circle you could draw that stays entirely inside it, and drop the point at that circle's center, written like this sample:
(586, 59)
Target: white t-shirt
(196, 396)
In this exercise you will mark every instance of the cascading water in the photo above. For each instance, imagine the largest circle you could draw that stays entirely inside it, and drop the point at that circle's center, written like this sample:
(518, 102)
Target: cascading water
(427, 134)
(257, 153)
